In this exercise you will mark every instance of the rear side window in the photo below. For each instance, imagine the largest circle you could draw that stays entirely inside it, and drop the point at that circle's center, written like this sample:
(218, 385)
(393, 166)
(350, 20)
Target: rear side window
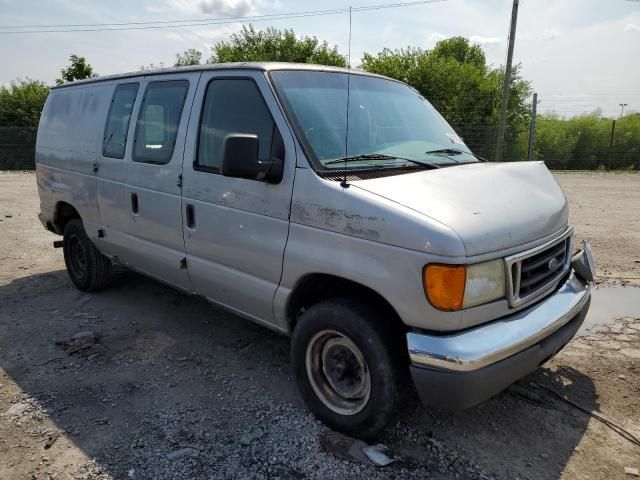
(233, 106)
(158, 121)
(117, 127)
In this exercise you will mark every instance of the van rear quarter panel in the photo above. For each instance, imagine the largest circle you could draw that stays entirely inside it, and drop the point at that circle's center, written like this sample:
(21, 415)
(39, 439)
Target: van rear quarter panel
(69, 135)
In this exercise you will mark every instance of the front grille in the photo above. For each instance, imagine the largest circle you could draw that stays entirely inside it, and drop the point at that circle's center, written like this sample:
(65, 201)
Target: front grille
(539, 270)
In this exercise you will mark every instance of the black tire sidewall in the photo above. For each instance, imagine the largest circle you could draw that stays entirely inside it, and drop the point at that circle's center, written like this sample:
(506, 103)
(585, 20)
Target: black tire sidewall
(75, 229)
(360, 324)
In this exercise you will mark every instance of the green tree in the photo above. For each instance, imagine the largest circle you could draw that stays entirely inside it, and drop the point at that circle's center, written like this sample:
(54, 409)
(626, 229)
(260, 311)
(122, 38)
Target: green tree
(78, 69)
(459, 49)
(188, 57)
(251, 45)
(21, 103)
(553, 141)
(625, 152)
(582, 142)
(455, 78)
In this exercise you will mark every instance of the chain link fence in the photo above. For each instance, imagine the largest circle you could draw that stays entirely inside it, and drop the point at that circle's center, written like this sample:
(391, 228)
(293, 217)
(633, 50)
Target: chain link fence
(582, 143)
(17, 148)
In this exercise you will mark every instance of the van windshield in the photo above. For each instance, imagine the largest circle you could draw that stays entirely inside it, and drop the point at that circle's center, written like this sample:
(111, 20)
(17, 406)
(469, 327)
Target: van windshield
(387, 122)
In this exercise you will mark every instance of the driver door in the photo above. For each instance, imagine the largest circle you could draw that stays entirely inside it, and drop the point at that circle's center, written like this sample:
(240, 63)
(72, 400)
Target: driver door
(235, 229)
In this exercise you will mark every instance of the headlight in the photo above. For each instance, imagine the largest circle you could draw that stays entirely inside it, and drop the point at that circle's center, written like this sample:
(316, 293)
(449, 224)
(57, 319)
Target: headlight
(453, 287)
(485, 282)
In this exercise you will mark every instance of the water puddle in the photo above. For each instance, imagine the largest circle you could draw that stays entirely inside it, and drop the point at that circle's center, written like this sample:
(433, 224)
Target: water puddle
(609, 303)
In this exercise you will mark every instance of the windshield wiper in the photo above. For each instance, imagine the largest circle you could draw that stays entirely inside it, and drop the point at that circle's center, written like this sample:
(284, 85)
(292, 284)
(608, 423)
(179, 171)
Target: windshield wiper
(455, 151)
(380, 156)
(356, 158)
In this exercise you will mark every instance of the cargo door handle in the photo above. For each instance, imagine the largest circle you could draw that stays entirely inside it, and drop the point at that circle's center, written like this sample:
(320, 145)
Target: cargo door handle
(134, 203)
(191, 216)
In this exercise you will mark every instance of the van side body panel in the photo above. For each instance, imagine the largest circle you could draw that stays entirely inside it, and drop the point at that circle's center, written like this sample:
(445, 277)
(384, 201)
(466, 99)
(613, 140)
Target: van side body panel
(68, 137)
(357, 244)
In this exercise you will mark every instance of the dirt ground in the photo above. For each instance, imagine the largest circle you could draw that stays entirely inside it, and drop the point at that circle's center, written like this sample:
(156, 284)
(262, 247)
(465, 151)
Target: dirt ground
(174, 388)
(605, 210)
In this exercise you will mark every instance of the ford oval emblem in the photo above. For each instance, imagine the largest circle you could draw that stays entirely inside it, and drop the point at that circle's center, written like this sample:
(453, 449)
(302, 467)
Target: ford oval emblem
(553, 264)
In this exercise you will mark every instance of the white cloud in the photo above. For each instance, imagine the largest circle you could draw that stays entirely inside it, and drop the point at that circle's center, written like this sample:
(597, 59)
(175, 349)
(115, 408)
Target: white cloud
(484, 41)
(632, 27)
(218, 8)
(436, 37)
(214, 35)
(550, 34)
(585, 68)
(154, 8)
(203, 38)
(175, 37)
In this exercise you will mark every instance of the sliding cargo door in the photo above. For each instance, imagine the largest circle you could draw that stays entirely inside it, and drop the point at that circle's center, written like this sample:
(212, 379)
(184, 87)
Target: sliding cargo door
(112, 168)
(153, 187)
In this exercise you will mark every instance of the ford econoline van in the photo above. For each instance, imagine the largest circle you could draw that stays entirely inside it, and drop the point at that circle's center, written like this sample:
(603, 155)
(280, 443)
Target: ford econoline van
(331, 205)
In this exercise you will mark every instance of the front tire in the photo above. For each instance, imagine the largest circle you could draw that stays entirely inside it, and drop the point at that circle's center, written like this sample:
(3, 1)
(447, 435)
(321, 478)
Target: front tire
(88, 269)
(346, 366)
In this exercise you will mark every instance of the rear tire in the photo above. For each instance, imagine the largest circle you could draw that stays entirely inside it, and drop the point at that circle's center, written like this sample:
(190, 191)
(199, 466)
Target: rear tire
(347, 367)
(88, 269)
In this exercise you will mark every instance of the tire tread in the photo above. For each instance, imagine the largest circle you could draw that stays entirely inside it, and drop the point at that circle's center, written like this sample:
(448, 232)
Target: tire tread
(359, 316)
(99, 271)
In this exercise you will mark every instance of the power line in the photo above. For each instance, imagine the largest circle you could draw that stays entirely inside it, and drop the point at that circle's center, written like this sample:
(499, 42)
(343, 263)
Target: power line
(99, 27)
(152, 22)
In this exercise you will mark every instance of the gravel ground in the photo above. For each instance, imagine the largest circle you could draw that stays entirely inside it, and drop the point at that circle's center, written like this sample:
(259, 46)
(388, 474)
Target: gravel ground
(605, 209)
(170, 387)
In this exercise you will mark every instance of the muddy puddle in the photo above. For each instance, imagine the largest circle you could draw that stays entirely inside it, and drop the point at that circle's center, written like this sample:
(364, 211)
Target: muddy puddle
(610, 303)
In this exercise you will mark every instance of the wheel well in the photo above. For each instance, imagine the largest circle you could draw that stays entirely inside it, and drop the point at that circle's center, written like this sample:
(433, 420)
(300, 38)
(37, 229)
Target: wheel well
(314, 288)
(64, 213)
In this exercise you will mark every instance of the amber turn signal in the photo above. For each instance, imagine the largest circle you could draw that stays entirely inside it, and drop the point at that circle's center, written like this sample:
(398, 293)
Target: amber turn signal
(444, 285)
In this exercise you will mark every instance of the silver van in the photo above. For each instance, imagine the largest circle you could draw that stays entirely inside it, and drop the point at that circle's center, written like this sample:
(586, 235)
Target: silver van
(331, 205)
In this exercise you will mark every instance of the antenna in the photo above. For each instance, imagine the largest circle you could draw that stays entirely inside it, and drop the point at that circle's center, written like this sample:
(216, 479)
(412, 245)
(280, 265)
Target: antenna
(344, 183)
(349, 51)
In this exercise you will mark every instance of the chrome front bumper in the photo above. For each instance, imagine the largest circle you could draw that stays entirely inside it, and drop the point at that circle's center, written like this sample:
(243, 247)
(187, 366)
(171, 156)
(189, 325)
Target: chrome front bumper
(460, 370)
(487, 344)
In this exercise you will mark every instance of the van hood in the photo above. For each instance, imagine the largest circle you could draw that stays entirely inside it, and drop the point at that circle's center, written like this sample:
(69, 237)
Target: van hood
(491, 206)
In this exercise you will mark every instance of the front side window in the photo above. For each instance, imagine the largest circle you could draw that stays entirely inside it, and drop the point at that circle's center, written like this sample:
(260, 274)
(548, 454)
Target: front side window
(158, 121)
(386, 119)
(233, 106)
(114, 141)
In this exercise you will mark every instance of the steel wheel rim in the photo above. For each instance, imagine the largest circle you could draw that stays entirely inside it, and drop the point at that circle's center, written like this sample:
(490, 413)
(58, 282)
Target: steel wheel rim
(77, 256)
(338, 372)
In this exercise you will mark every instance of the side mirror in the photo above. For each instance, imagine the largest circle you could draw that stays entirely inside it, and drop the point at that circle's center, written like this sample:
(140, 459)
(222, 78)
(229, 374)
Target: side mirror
(240, 156)
(240, 159)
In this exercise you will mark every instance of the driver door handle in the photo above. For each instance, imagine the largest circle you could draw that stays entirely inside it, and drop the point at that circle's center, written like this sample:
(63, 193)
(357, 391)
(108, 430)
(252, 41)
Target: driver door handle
(134, 203)
(191, 216)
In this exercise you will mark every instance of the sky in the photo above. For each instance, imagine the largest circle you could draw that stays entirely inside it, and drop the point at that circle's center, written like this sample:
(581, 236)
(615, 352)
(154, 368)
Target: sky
(580, 55)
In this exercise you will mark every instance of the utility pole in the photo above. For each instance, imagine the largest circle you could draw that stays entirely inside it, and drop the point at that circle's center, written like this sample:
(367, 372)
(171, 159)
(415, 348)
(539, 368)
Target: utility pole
(532, 127)
(622, 105)
(507, 82)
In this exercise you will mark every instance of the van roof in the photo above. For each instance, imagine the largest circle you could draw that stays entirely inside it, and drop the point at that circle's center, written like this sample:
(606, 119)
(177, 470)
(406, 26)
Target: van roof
(264, 66)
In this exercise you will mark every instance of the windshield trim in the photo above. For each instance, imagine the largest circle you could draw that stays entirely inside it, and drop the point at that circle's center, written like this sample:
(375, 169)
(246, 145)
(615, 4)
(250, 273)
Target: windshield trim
(316, 164)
